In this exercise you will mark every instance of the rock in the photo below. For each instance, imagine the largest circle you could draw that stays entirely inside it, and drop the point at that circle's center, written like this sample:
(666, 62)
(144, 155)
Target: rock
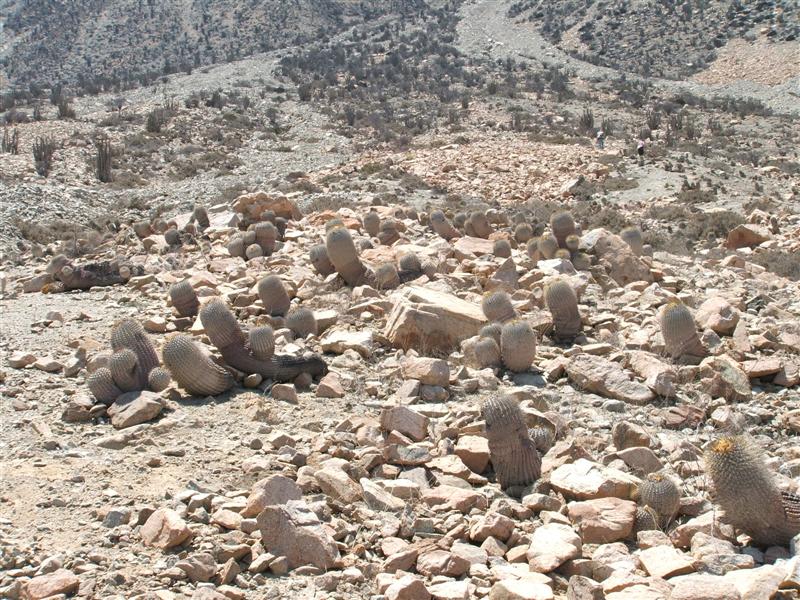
(615, 254)
(441, 562)
(747, 235)
(762, 367)
(61, 581)
(724, 377)
(454, 498)
(584, 480)
(491, 524)
(703, 587)
(134, 408)
(718, 315)
(640, 460)
(579, 187)
(20, 360)
(227, 519)
(629, 435)
(285, 392)
(330, 386)
(707, 523)
(164, 529)
(48, 364)
(293, 530)
(584, 588)
(473, 450)
(602, 376)
(551, 546)
(339, 341)
(468, 247)
(450, 590)
(78, 410)
(426, 318)
(198, 567)
(519, 589)
(603, 520)
(379, 499)
(253, 205)
(407, 587)
(658, 376)
(429, 371)
(275, 489)
(406, 421)
(665, 561)
(335, 483)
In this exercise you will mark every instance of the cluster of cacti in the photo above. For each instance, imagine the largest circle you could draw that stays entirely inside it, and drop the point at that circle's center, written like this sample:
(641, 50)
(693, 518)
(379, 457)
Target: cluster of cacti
(517, 345)
(747, 491)
(633, 237)
(513, 454)
(562, 303)
(523, 233)
(132, 367)
(223, 330)
(193, 369)
(660, 493)
(386, 277)
(501, 248)
(680, 331)
(543, 438)
(260, 238)
(645, 519)
(184, 298)
(442, 226)
(274, 296)
(487, 353)
(344, 257)
(547, 245)
(562, 225)
(497, 306)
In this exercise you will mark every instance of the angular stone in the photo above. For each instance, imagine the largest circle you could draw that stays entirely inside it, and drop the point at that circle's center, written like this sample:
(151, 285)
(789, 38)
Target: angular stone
(164, 529)
(335, 483)
(441, 562)
(275, 489)
(454, 498)
(640, 459)
(603, 520)
(450, 590)
(254, 205)
(330, 386)
(747, 235)
(60, 581)
(468, 247)
(429, 371)
(406, 421)
(615, 254)
(584, 588)
(584, 480)
(78, 410)
(20, 360)
(520, 589)
(657, 375)
(703, 587)
(227, 519)
(407, 587)
(718, 315)
(339, 341)
(551, 546)
(379, 499)
(491, 524)
(665, 561)
(198, 567)
(602, 376)
(725, 378)
(293, 530)
(134, 408)
(473, 450)
(284, 392)
(762, 367)
(628, 435)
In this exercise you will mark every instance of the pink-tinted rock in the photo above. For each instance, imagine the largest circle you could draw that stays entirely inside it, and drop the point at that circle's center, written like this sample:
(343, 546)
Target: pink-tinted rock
(603, 520)
(165, 529)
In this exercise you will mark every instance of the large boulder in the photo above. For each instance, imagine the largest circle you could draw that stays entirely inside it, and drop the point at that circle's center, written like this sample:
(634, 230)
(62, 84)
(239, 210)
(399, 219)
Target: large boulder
(615, 254)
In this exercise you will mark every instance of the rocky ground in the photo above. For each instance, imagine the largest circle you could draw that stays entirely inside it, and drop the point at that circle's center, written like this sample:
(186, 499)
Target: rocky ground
(379, 477)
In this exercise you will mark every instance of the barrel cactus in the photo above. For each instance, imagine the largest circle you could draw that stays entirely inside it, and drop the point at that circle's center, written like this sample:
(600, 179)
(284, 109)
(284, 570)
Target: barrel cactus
(184, 298)
(523, 233)
(386, 277)
(487, 353)
(501, 249)
(513, 454)
(680, 331)
(562, 225)
(192, 369)
(318, 255)
(562, 303)
(497, 306)
(660, 493)
(274, 296)
(480, 224)
(633, 237)
(344, 257)
(442, 226)
(517, 345)
(547, 245)
(302, 322)
(372, 223)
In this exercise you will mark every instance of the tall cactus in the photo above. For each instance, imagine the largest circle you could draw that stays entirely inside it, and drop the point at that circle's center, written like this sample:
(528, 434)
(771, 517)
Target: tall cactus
(274, 296)
(513, 454)
(344, 257)
(194, 370)
(184, 298)
(563, 305)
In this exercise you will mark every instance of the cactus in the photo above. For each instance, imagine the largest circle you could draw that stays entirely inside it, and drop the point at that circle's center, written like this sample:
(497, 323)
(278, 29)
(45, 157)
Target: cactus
(460, 220)
(480, 224)
(410, 267)
(274, 296)
(302, 322)
(388, 233)
(543, 438)
(747, 491)
(487, 353)
(563, 254)
(184, 298)
(262, 342)
(661, 494)
(581, 261)
(492, 331)
(159, 379)
(101, 384)
(281, 224)
(386, 277)
(523, 233)
(442, 226)
(372, 223)
(343, 256)
(680, 331)
(236, 246)
(318, 255)
(572, 243)
(142, 229)
(123, 367)
(172, 237)
(563, 306)
(334, 223)
(633, 237)
(253, 251)
(518, 346)
(501, 249)
(532, 249)
(129, 334)
(200, 216)
(645, 519)
(266, 234)
(224, 332)
(430, 267)
(547, 246)
(497, 306)
(513, 454)
(562, 225)
(192, 369)
(58, 262)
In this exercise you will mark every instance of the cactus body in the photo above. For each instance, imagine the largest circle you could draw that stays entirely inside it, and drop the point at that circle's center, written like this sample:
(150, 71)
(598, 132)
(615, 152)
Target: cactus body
(253, 251)
(581, 261)
(680, 331)
(518, 346)
(320, 261)
(129, 333)
(497, 307)
(386, 277)
(192, 369)
(543, 438)
(184, 298)
(274, 296)
(266, 234)
(262, 342)
(645, 519)
(302, 322)
(633, 237)
(562, 226)
(101, 384)
(547, 246)
(501, 249)
(172, 237)
(123, 369)
(512, 452)
(480, 224)
(572, 243)
(523, 233)
(563, 305)
(158, 380)
(442, 226)
(372, 223)
(487, 353)
(343, 256)
(661, 494)
(200, 216)
(236, 246)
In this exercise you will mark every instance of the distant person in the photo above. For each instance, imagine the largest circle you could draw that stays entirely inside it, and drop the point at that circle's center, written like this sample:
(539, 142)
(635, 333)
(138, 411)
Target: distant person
(640, 151)
(601, 140)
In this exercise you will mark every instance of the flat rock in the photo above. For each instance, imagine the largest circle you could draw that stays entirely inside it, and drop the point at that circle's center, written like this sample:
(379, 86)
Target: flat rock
(407, 587)
(473, 450)
(551, 546)
(602, 376)
(703, 587)
(469, 247)
(406, 421)
(718, 315)
(293, 530)
(339, 341)
(134, 408)
(454, 498)
(585, 480)
(657, 375)
(164, 529)
(519, 589)
(429, 371)
(60, 581)
(603, 520)
(665, 561)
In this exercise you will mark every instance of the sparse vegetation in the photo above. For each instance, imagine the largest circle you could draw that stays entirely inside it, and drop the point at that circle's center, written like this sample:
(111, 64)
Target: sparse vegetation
(43, 150)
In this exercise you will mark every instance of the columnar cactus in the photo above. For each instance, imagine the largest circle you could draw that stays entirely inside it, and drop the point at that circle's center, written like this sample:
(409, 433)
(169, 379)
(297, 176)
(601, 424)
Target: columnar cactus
(680, 331)
(547, 245)
(747, 491)
(344, 257)
(480, 224)
(513, 454)
(563, 306)
(497, 306)
(518, 345)
(523, 233)
(193, 369)
(274, 296)
(129, 334)
(562, 226)
(184, 298)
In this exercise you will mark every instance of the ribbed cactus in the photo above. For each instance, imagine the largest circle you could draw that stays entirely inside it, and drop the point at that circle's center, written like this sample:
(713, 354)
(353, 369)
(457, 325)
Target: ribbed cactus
(645, 519)
(430, 267)
(523, 233)
(159, 379)
(581, 261)
(388, 233)
(142, 229)
(223, 330)
(442, 226)
(129, 334)
(236, 246)
(266, 235)
(274, 296)
(318, 255)
(547, 246)
(562, 225)
(660, 493)
(409, 267)
(563, 306)
(480, 224)
(487, 353)
(747, 491)
(58, 262)
(563, 254)
(572, 243)
(172, 237)
(543, 438)
(492, 331)
(302, 322)
(372, 223)
(123, 366)
(184, 298)
(532, 249)
(253, 251)
(262, 342)
(460, 220)
(513, 454)
(344, 257)
(679, 331)
(501, 248)
(334, 223)
(497, 306)
(192, 369)
(518, 345)
(101, 384)
(386, 277)
(200, 216)
(633, 237)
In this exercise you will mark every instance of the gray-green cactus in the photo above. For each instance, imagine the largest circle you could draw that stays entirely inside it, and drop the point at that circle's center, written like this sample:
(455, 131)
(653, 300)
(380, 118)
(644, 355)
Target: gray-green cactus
(517, 345)
(513, 454)
(563, 306)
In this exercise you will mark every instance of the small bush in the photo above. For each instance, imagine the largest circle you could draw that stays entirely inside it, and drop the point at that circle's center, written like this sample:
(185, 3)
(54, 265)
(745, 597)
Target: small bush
(65, 109)
(103, 160)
